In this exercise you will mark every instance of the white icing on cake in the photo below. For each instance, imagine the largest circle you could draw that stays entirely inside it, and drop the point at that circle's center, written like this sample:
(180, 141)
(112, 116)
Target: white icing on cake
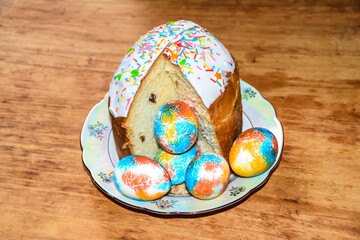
(203, 60)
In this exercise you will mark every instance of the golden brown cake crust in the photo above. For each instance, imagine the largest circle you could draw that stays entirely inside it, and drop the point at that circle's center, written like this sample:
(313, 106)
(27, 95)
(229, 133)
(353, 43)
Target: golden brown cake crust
(121, 141)
(226, 114)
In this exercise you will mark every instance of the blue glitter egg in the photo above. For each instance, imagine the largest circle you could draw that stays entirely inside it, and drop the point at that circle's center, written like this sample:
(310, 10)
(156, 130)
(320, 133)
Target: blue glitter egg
(141, 178)
(176, 127)
(253, 152)
(207, 176)
(176, 164)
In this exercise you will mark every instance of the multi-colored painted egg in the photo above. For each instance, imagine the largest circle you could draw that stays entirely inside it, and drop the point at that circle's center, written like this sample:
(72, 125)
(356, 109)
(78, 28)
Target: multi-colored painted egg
(253, 152)
(141, 178)
(176, 127)
(207, 176)
(176, 164)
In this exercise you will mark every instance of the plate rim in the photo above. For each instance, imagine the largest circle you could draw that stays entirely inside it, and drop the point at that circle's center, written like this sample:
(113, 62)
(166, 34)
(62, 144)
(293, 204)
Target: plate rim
(184, 213)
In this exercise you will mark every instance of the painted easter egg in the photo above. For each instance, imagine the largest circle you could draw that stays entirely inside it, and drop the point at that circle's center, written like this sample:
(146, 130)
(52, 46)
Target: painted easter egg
(176, 164)
(253, 152)
(207, 176)
(176, 127)
(141, 178)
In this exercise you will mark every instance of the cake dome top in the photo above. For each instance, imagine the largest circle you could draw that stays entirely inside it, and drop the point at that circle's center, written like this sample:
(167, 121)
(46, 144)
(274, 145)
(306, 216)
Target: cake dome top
(203, 60)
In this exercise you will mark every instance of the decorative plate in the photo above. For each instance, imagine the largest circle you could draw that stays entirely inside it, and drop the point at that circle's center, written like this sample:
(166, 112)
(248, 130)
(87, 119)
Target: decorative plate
(100, 157)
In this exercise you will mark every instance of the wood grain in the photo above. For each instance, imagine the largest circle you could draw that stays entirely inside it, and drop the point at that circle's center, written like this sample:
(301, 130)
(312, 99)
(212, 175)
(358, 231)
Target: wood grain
(57, 59)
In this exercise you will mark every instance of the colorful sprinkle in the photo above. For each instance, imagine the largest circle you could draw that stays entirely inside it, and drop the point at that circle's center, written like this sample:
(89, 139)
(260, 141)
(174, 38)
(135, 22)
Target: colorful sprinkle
(182, 62)
(135, 73)
(185, 44)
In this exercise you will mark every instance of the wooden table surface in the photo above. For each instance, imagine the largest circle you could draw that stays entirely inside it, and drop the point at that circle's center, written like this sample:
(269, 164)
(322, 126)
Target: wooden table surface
(57, 59)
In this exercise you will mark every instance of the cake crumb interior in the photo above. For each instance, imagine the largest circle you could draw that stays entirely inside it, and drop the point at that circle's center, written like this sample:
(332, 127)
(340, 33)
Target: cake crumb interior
(163, 83)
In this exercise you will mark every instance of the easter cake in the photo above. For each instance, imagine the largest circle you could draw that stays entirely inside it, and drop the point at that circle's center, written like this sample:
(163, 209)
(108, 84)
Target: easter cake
(175, 61)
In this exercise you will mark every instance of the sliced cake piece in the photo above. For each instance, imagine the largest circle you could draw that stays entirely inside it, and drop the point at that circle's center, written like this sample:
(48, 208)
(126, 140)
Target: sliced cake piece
(176, 61)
